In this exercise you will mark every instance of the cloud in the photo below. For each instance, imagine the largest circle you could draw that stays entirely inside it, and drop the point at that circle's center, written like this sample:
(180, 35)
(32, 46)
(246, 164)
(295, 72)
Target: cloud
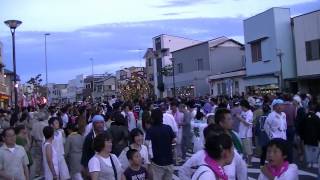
(93, 34)
(182, 3)
(86, 70)
(110, 45)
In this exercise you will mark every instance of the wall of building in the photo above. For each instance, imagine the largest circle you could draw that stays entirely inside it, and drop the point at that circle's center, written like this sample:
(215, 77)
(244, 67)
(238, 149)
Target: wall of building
(274, 26)
(226, 58)
(306, 28)
(214, 86)
(172, 43)
(187, 57)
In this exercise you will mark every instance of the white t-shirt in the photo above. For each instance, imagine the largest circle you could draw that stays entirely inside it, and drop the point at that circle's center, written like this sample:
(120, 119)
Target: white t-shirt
(244, 130)
(168, 119)
(143, 152)
(65, 120)
(236, 170)
(276, 125)
(94, 163)
(204, 173)
(291, 173)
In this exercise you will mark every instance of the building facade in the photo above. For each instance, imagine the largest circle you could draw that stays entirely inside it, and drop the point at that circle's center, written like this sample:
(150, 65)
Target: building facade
(4, 89)
(163, 45)
(194, 64)
(149, 63)
(99, 87)
(58, 93)
(75, 87)
(306, 30)
(270, 59)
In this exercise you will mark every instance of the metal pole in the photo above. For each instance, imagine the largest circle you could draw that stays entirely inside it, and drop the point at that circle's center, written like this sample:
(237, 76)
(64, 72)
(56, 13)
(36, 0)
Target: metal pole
(92, 80)
(280, 54)
(46, 62)
(14, 69)
(174, 79)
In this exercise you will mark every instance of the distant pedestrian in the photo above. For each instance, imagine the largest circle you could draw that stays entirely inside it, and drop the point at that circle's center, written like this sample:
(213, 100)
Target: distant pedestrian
(58, 144)
(245, 129)
(73, 151)
(50, 156)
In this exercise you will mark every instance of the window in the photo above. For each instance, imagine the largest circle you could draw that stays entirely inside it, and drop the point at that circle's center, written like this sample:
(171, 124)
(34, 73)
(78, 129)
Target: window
(158, 44)
(180, 68)
(256, 51)
(219, 88)
(149, 62)
(150, 77)
(236, 87)
(224, 88)
(313, 50)
(199, 64)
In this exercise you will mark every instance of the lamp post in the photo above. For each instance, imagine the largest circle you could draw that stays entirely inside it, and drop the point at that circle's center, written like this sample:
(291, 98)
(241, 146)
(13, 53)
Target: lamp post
(46, 61)
(92, 95)
(13, 24)
(173, 78)
(280, 54)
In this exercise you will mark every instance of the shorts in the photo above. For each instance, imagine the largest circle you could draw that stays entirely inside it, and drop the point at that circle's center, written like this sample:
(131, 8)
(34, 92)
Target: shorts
(247, 146)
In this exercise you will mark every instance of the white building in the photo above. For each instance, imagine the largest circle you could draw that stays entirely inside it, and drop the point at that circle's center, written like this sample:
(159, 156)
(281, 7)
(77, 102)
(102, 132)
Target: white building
(75, 87)
(306, 29)
(269, 50)
(58, 93)
(163, 45)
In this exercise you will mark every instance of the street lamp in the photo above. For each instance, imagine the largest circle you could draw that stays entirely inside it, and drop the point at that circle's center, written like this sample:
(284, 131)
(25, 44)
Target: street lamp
(280, 54)
(91, 59)
(46, 61)
(13, 24)
(173, 78)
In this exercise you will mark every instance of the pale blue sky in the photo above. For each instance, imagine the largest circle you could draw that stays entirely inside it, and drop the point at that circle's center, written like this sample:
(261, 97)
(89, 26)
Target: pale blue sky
(110, 31)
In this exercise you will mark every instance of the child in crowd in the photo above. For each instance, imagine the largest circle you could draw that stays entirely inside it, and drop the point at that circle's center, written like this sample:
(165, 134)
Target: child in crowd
(278, 166)
(135, 171)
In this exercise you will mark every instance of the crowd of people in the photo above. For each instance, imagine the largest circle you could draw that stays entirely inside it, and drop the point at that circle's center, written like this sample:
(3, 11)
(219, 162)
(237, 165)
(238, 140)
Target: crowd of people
(145, 138)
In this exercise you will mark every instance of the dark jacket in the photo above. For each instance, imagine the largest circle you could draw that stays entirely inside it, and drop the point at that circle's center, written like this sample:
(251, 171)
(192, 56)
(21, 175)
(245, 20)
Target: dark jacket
(120, 138)
(87, 149)
(310, 129)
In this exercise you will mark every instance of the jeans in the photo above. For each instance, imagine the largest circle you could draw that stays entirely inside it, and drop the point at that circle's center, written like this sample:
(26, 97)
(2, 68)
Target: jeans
(290, 139)
(263, 155)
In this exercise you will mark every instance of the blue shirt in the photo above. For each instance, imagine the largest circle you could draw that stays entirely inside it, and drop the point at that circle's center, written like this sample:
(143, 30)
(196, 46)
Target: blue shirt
(161, 137)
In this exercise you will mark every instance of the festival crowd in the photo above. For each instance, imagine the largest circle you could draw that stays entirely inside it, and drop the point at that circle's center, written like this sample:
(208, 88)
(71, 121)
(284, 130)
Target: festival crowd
(145, 138)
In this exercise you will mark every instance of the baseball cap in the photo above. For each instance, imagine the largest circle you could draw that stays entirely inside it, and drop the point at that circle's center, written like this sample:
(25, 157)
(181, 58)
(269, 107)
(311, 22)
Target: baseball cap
(97, 118)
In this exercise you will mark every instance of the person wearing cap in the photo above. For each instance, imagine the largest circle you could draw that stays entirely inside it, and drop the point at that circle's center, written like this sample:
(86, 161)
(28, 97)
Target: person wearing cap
(87, 149)
(276, 124)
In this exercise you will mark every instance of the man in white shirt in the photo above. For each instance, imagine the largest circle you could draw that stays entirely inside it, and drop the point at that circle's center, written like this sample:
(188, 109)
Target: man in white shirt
(245, 129)
(13, 158)
(169, 120)
(64, 117)
(276, 124)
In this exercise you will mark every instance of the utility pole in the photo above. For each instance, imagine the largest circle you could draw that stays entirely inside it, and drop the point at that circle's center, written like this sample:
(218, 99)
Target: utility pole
(281, 83)
(46, 62)
(173, 78)
(92, 95)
